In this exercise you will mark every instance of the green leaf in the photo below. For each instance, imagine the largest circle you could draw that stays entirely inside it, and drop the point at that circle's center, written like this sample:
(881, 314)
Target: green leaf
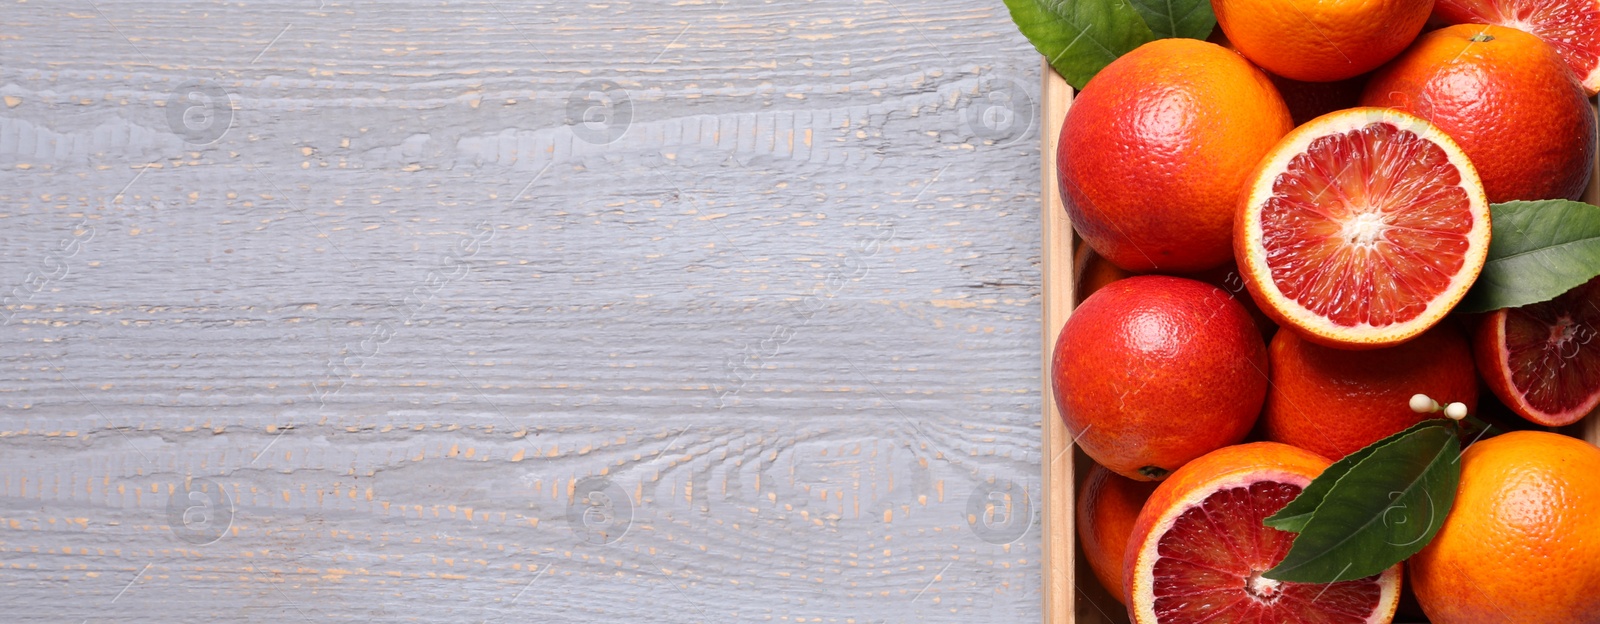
(1294, 516)
(1383, 510)
(1538, 250)
(1177, 18)
(1080, 37)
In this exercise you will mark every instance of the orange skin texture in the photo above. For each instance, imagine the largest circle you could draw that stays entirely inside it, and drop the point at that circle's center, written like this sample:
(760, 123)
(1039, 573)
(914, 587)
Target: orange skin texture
(1094, 272)
(1308, 100)
(1153, 371)
(1156, 149)
(1321, 41)
(1522, 544)
(1511, 103)
(1569, 27)
(1108, 504)
(1333, 402)
(1228, 278)
(1200, 475)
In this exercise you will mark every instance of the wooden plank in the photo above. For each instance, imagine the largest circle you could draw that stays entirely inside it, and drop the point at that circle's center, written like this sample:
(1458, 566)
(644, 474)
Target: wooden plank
(811, 170)
(1067, 599)
(1060, 541)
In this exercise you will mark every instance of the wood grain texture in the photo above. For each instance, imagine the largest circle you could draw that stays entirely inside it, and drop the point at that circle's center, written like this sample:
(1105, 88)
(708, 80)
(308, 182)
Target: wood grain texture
(454, 354)
(1072, 595)
(1056, 250)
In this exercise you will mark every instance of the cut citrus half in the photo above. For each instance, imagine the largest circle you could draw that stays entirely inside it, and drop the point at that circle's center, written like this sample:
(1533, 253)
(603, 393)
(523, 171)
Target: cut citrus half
(1572, 27)
(1541, 360)
(1199, 548)
(1362, 228)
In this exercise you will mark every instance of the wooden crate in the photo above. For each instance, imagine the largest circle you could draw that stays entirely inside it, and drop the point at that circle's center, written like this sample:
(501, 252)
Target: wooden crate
(1071, 593)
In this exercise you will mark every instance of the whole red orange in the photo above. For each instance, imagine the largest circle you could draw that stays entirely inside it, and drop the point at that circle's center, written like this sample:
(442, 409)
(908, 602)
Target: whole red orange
(1324, 40)
(1156, 148)
(1093, 272)
(1153, 371)
(1332, 402)
(1228, 278)
(1572, 27)
(1309, 100)
(1522, 543)
(1509, 101)
(1108, 504)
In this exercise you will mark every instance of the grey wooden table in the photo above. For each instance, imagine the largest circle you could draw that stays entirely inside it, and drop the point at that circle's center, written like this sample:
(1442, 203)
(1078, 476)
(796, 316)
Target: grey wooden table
(471, 311)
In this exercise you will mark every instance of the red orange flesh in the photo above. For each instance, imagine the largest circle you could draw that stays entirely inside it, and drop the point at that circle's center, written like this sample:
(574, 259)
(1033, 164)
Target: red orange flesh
(1362, 229)
(1199, 547)
(1542, 360)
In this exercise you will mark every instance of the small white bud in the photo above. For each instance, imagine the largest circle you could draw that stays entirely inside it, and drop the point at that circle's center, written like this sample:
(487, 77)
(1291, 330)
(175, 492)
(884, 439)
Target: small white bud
(1421, 404)
(1456, 411)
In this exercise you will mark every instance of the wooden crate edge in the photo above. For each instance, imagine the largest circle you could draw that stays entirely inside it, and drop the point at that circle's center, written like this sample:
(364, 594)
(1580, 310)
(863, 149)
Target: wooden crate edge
(1057, 491)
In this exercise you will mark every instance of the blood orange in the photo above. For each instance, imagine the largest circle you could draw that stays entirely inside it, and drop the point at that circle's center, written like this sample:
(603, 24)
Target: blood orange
(1108, 504)
(1332, 402)
(1541, 360)
(1199, 548)
(1324, 40)
(1228, 279)
(1520, 545)
(1153, 371)
(1092, 272)
(1572, 27)
(1156, 148)
(1506, 98)
(1362, 228)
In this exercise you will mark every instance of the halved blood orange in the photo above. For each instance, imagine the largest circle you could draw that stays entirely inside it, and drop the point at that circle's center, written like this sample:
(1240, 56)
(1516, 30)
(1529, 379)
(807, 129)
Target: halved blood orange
(1362, 228)
(1542, 360)
(1572, 27)
(1198, 548)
